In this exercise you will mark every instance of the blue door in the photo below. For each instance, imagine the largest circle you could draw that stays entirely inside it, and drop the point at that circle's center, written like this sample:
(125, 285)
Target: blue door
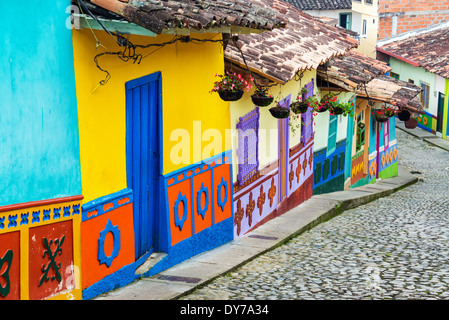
(143, 126)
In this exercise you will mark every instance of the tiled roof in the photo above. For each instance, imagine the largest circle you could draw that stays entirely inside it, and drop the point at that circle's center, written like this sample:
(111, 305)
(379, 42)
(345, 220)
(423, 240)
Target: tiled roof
(321, 4)
(393, 91)
(352, 70)
(428, 50)
(366, 77)
(303, 44)
(160, 15)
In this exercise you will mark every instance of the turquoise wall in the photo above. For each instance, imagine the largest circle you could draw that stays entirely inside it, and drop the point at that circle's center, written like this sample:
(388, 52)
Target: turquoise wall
(39, 147)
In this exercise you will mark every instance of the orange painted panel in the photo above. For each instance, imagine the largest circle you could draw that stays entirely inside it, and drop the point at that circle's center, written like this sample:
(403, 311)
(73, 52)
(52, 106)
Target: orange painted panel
(222, 192)
(202, 185)
(10, 266)
(179, 204)
(93, 271)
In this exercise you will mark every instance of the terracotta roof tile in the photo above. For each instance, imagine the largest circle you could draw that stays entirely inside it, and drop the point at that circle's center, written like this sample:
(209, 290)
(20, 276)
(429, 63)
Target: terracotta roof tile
(321, 4)
(429, 50)
(159, 15)
(366, 77)
(352, 70)
(393, 91)
(303, 44)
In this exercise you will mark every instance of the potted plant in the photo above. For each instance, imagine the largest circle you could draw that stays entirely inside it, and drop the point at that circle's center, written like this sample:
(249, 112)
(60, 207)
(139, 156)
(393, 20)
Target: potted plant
(295, 122)
(261, 97)
(380, 116)
(318, 105)
(384, 113)
(343, 108)
(231, 86)
(300, 106)
(279, 112)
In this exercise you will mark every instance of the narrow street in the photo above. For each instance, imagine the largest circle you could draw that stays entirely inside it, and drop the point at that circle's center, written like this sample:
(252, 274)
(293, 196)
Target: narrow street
(393, 248)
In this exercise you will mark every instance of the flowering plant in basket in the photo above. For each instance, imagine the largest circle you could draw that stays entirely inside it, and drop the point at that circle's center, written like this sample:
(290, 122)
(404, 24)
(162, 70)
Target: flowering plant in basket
(231, 84)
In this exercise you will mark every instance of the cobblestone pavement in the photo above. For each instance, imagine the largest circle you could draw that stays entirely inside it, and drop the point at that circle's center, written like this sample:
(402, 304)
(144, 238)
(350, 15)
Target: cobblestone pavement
(392, 248)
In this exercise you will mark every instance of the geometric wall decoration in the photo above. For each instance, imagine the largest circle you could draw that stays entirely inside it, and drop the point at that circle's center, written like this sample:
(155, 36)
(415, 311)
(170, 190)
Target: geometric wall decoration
(198, 197)
(51, 268)
(115, 232)
(10, 266)
(202, 200)
(105, 222)
(258, 199)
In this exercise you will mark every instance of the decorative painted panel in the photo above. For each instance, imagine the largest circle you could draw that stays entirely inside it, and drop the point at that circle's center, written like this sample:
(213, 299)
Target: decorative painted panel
(198, 197)
(327, 167)
(255, 202)
(38, 259)
(51, 266)
(388, 156)
(10, 266)
(357, 167)
(106, 223)
(248, 140)
(300, 167)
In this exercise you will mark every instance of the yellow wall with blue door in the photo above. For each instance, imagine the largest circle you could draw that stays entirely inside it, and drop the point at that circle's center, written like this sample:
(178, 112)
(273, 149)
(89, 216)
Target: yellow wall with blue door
(189, 110)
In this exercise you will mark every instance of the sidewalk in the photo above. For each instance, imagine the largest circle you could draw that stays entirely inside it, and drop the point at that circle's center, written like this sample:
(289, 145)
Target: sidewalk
(203, 268)
(424, 135)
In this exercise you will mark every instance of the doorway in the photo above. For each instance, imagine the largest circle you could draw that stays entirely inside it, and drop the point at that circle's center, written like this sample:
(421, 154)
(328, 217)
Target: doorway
(440, 113)
(143, 153)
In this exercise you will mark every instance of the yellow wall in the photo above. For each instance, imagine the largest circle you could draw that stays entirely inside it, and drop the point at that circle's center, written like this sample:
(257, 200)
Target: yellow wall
(188, 73)
(369, 12)
(268, 125)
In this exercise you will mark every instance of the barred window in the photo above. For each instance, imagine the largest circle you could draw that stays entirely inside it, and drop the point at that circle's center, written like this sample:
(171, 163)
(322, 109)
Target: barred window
(425, 94)
(248, 150)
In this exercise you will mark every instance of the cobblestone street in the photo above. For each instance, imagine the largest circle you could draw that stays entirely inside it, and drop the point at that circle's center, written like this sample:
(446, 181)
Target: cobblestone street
(396, 247)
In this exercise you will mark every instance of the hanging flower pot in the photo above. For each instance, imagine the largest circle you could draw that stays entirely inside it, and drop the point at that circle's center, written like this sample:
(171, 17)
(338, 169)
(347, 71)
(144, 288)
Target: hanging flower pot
(404, 115)
(261, 98)
(380, 117)
(299, 107)
(336, 110)
(322, 108)
(231, 86)
(228, 95)
(279, 112)
(411, 123)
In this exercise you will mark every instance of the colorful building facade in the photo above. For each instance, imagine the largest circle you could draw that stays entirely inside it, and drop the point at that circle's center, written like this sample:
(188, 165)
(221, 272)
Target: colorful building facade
(40, 207)
(118, 161)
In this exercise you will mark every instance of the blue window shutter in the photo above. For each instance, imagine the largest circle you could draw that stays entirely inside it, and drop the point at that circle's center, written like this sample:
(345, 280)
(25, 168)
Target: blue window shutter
(332, 136)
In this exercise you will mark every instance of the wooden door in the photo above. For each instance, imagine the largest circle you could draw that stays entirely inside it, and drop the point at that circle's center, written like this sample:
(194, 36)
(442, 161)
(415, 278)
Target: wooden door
(143, 106)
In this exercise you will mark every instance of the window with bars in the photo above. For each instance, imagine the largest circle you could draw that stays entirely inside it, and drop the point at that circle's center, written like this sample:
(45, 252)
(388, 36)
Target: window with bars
(425, 94)
(248, 145)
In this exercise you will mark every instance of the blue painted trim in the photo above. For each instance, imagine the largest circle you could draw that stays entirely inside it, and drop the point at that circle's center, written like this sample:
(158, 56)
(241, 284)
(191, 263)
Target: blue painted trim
(102, 258)
(202, 210)
(98, 204)
(180, 222)
(207, 162)
(203, 241)
(222, 202)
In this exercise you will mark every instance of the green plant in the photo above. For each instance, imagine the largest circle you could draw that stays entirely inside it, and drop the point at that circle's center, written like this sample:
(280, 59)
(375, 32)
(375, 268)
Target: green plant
(389, 111)
(295, 122)
(331, 102)
(231, 81)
